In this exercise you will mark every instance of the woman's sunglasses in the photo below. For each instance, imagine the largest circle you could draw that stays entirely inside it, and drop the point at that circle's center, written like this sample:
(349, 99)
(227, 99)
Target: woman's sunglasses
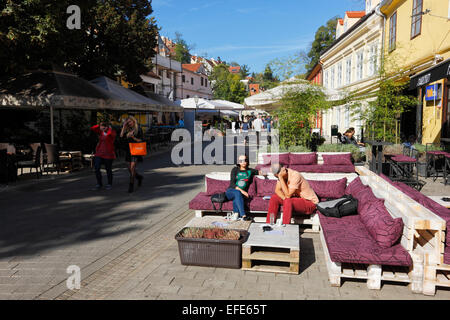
(243, 160)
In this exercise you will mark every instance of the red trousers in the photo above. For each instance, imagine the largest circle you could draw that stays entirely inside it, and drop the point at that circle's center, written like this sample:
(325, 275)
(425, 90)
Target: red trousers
(299, 205)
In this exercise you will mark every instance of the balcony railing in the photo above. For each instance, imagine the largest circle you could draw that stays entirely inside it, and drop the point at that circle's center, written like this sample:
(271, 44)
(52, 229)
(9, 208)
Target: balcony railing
(166, 63)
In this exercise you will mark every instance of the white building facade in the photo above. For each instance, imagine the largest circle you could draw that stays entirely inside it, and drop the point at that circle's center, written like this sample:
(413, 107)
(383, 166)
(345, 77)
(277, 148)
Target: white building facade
(351, 64)
(162, 79)
(193, 81)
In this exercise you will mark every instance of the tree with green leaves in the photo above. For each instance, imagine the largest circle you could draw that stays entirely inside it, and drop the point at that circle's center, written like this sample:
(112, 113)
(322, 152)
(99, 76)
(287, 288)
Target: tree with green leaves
(182, 49)
(298, 107)
(117, 37)
(291, 66)
(227, 86)
(381, 114)
(323, 38)
(244, 72)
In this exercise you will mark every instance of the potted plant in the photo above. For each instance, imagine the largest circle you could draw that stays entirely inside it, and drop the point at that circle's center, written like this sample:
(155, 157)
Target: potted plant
(211, 247)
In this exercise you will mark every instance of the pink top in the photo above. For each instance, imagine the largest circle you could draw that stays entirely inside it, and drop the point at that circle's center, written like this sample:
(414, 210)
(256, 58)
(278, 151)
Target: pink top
(301, 187)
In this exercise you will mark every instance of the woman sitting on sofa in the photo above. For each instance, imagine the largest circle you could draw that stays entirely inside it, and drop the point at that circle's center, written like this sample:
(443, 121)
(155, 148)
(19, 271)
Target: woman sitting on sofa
(240, 179)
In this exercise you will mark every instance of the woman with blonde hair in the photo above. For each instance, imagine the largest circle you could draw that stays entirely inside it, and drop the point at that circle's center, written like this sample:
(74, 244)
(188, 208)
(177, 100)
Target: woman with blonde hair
(131, 132)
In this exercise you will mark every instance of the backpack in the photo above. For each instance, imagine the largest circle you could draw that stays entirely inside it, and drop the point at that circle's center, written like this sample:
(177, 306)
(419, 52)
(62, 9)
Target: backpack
(338, 208)
(218, 198)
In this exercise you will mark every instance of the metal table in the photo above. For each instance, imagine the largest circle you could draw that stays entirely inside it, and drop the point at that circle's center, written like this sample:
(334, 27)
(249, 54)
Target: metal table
(376, 164)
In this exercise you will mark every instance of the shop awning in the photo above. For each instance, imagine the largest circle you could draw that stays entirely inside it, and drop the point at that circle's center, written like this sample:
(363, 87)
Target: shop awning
(437, 72)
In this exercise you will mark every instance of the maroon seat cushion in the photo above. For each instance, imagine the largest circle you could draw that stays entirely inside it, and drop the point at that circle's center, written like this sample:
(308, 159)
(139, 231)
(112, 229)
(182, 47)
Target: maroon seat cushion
(363, 196)
(402, 158)
(349, 241)
(329, 188)
(355, 186)
(265, 187)
(263, 167)
(252, 188)
(216, 186)
(384, 229)
(437, 153)
(258, 204)
(337, 159)
(447, 255)
(428, 203)
(306, 158)
(282, 158)
(320, 168)
(202, 201)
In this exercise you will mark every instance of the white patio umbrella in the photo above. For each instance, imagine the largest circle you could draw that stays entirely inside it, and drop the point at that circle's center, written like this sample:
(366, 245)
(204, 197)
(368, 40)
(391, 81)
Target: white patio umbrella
(190, 103)
(228, 104)
(268, 98)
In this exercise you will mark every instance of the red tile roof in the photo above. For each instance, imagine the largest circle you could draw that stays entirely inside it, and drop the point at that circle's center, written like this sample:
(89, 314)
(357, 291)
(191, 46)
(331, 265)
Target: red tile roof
(355, 14)
(234, 69)
(341, 22)
(193, 67)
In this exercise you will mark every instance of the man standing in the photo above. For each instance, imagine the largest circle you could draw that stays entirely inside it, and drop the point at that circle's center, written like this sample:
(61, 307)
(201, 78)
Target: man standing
(293, 192)
(257, 125)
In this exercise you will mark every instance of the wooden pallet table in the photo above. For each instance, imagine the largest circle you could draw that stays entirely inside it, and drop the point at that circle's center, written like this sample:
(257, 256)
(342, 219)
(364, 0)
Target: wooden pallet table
(274, 251)
(435, 275)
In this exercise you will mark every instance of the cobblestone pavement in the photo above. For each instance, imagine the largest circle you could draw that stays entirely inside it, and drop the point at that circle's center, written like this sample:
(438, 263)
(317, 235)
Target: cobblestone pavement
(125, 246)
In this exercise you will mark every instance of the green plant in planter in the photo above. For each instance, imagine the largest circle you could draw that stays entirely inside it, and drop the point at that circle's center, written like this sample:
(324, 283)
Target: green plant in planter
(357, 155)
(299, 149)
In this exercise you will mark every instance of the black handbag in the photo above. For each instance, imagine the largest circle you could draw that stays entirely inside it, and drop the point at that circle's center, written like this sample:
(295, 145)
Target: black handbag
(218, 198)
(338, 208)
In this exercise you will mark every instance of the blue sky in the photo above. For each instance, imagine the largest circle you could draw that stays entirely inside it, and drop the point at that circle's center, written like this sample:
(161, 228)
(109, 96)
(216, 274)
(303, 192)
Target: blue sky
(247, 31)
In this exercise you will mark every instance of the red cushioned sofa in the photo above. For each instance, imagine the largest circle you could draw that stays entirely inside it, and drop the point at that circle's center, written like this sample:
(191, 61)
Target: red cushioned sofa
(436, 273)
(309, 162)
(259, 188)
(367, 245)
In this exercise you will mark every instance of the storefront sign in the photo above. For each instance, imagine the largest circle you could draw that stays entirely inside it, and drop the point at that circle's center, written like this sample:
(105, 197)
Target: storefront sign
(432, 92)
(437, 72)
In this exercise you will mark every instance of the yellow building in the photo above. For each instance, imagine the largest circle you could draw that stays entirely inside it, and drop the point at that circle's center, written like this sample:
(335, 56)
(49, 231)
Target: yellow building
(417, 46)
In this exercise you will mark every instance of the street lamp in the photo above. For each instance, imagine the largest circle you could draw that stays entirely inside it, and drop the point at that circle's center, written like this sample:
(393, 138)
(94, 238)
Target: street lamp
(196, 106)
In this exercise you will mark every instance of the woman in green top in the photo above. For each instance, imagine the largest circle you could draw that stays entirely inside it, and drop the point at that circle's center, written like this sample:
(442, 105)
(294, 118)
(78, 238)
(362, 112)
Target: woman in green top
(240, 179)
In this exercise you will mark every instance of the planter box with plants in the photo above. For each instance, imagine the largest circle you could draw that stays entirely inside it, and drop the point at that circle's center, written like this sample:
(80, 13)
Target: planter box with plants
(211, 247)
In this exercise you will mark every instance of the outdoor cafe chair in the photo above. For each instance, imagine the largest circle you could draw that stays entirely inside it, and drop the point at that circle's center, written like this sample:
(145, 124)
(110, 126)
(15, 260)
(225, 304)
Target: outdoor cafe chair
(34, 163)
(435, 162)
(52, 158)
(403, 168)
(446, 168)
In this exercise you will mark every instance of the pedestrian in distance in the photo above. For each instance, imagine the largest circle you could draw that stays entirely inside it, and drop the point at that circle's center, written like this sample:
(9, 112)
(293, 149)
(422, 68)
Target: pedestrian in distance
(131, 132)
(257, 126)
(104, 153)
(245, 126)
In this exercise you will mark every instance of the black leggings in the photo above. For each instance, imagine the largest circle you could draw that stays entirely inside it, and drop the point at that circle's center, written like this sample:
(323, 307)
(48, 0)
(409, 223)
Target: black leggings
(108, 166)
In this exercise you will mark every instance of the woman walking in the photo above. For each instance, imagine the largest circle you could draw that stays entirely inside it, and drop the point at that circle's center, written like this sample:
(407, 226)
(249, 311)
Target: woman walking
(104, 153)
(131, 132)
(240, 179)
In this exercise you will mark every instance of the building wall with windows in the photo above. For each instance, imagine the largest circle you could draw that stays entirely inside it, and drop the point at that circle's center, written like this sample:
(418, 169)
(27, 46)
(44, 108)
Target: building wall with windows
(351, 64)
(193, 81)
(417, 38)
(414, 36)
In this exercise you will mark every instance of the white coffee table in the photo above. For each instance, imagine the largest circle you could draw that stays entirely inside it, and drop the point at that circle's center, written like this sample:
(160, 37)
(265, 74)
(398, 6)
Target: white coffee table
(274, 251)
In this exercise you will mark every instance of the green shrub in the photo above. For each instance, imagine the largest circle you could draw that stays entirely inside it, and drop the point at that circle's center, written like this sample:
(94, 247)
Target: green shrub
(299, 149)
(422, 148)
(355, 151)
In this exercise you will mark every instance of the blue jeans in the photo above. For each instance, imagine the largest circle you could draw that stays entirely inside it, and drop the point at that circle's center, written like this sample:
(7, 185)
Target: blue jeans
(238, 200)
(108, 166)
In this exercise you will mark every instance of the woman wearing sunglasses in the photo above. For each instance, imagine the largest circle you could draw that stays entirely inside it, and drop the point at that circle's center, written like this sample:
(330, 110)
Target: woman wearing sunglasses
(240, 179)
